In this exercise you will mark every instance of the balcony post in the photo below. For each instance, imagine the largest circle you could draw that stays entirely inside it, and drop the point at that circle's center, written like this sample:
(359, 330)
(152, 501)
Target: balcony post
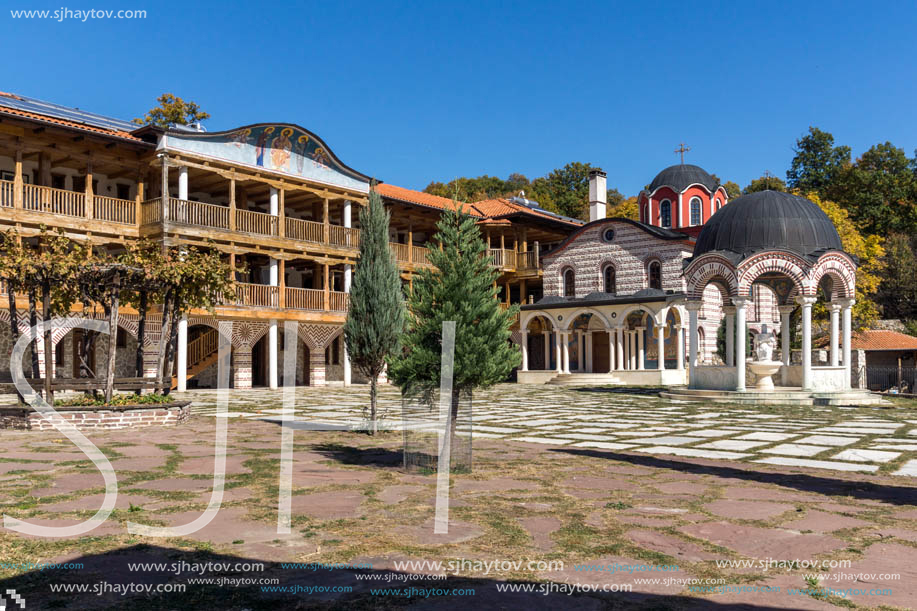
(348, 278)
(89, 193)
(410, 243)
(232, 203)
(326, 223)
(17, 178)
(164, 187)
(525, 239)
(281, 221)
(502, 241)
(274, 202)
(141, 194)
(537, 254)
(326, 294)
(282, 296)
(183, 182)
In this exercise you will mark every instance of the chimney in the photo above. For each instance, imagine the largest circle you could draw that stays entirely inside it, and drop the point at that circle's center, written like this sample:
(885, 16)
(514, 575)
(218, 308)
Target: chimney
(598, 194)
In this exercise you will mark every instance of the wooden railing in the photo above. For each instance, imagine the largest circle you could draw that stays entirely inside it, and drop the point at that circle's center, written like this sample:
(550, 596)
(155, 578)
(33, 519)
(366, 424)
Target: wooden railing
(202, 347)
(54, 201)
(259, 295)
(402, 251)
(307, 231)
(420, 255)
(526, 260)
(114, 210)
(151, 211)
(504, 259)
(305, 299)
(344, 236)
(7, 194)
(256, 222)
(185, 212)
(339, 301)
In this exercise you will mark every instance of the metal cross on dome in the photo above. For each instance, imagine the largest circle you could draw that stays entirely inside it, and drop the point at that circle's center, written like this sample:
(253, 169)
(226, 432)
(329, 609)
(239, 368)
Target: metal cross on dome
(681, 150)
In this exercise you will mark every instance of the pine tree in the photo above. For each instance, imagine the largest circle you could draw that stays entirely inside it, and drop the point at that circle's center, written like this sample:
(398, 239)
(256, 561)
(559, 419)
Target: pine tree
(461, 288)
(375, 319)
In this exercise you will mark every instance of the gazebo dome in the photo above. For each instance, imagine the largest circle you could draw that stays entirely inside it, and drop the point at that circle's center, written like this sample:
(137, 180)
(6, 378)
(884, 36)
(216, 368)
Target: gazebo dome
(768, 220)
(681, 176)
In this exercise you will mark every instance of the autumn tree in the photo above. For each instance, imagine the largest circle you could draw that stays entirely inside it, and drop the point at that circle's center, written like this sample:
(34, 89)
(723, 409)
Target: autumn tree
(626, 209)
(172, 110)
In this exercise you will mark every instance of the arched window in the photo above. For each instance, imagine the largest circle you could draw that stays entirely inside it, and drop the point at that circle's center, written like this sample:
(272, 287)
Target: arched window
(608, 277)
(695, 211)
(569, 284)
(719, 203)
(665, 213)
(655, 275)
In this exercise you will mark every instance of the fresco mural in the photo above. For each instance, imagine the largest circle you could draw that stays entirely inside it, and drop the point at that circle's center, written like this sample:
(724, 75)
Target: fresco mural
(281, 148)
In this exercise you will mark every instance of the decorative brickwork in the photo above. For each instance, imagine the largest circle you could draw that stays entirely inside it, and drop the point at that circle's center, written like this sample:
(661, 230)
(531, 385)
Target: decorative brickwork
(158, 415)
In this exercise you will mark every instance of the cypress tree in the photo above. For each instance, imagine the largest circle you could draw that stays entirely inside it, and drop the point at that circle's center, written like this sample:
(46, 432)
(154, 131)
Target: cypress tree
(460, 288)
(375, 318)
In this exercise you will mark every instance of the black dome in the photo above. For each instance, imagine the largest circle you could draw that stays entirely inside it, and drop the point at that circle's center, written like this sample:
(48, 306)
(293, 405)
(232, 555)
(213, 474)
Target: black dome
(679, 177)
(768, 220)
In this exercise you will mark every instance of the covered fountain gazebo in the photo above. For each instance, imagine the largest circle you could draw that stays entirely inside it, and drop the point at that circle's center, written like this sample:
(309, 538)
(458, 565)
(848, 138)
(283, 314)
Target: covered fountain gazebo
(789, 245)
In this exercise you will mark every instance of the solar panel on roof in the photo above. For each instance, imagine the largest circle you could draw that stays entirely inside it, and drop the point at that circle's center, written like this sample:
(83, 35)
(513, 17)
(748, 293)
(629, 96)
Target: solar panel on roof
(64, 112)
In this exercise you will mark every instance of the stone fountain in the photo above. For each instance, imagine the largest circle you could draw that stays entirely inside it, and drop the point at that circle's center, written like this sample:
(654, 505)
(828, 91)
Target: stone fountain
(764, 366)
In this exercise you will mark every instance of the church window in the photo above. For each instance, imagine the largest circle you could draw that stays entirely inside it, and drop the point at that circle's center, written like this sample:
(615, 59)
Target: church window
(608, 276)
(719, 203)
(665, 213)
(695, 211)
(569, 284)
(609, 234)
(655, 275)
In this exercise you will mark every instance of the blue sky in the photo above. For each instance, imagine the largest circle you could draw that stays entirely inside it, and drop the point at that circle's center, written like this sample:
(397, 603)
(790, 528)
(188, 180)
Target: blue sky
(412, 92)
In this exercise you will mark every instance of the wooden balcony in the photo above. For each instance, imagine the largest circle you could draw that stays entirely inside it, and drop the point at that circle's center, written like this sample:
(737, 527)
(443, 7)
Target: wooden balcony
(197, 214)
(256, 222)
(305, 231)
(115, 210)
(54, 201)
(527, 261)
(7, 194)
(503, 259)
(73, 204)
(305, 299)
(257, 295)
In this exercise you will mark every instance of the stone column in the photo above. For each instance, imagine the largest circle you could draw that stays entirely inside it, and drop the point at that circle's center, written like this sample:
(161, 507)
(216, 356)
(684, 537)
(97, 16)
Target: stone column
(547, 351)
(806, 303)
(693, 308)
(660, 346)
(348, 279)
(730, 312)
(525, 350)
(741, 329)
(620, 365)
(846, 315)
(587, 366)
(317, 367)
(680, 348)
(242, 368)
(181, 357)
(183, 182)
(641, 354)
(785, 349)
(272, 343)
(558, 359)
(566, 352)
(581, 351)
(835, 308)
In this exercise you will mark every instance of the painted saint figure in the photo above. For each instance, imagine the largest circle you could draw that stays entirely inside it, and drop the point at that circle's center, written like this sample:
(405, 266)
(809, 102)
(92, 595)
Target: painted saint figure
(280, 150)
(262, 144)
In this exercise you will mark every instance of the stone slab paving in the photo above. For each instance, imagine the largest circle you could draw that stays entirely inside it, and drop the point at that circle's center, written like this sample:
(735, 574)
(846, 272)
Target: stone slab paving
(634, 421)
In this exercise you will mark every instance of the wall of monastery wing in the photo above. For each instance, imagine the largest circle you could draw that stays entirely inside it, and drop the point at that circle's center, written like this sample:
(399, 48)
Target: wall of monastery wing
(630, 251)
(103, 185)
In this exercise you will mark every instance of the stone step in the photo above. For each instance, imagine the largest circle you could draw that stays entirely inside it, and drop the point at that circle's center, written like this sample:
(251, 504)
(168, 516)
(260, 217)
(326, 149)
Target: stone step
(584, 379)
(779, 397)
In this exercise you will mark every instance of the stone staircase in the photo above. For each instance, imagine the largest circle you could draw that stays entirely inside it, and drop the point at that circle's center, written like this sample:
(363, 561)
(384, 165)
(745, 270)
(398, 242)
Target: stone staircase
(585, 379)
(780, 396)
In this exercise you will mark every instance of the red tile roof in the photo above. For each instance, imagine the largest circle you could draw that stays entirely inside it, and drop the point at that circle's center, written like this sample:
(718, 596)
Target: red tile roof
(883, 339)
(25, 114)
(504, 207)
(421, 198)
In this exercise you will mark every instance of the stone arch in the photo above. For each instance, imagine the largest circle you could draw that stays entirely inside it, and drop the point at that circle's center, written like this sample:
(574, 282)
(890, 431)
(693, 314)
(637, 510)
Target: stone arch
(604, 263)
(525, 320)
(712, 270)
(841, 271)
(318, 337)
(783, 263)
(245, 334)
(637, 307)
(580, 311)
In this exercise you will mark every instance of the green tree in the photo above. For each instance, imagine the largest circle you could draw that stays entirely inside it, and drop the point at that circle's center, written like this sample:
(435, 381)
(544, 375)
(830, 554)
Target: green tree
(879, 190)
(765, 183)
(898, 290)
(172, 110)
(375, 318)
(732, 189)
(460, 288)
(816, 162)
(565, 190)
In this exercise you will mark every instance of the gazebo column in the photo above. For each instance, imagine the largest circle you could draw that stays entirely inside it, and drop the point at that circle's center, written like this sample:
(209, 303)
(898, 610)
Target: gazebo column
(525, 350)
(558, 358)
(846, 315)
(741, 331)
(835, 308)
(806, 303)
(641, 354)
(693, 308)
(660, 346)
(730, 313)
(785, 350)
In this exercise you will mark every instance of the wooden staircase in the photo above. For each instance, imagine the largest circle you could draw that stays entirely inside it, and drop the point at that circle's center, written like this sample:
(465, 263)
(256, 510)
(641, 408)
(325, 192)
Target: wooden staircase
(202, 353)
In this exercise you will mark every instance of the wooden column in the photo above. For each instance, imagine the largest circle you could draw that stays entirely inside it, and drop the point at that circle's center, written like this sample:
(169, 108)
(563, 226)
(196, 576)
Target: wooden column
(232, 266)
(17, 179)
(502, 241)
(232, 203)
(281, 220)
(164, 188)
(410, 243)
(281, 272)
(89, 194)
(525, 239)
(138, 199)
(326, 294)
(326, 223)
(506, 297)
(522, 290)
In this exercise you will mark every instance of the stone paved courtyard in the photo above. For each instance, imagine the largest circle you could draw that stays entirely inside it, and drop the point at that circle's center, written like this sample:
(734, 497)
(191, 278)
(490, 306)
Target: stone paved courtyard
(732, 527)
(636, 420)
